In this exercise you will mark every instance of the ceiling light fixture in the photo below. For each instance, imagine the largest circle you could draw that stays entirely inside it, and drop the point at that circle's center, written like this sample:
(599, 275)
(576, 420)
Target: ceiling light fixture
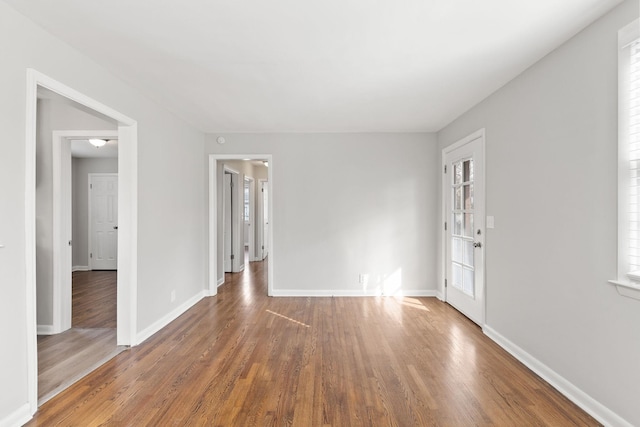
(97, 142)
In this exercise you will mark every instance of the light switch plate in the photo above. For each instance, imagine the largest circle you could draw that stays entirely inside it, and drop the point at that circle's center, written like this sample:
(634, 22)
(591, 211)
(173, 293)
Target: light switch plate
(490, 222)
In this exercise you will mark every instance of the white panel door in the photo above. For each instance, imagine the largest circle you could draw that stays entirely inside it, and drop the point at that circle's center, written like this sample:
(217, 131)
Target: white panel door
(464, 216)
(103, 218)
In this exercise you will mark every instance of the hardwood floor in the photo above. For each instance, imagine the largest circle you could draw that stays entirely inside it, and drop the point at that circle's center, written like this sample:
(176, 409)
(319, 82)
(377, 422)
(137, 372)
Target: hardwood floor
(94, 299)
(244, 359)
(66, 357)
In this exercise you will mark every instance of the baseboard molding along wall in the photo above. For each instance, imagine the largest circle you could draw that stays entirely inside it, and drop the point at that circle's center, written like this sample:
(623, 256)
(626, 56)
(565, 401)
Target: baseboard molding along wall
(80, 268)
(220, 281)
(46, 330)
(168, 318)
(18, 418)
(573, 393)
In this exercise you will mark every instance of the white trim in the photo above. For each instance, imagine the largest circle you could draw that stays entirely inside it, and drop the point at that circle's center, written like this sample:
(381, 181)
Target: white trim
(623, 281)
(79, 268)
(18, 417)
(213, 217)
(481, 210)
(62, 225)
(147, 332)
(47, 330)
(428, 293)
(627, 289)
(221, 281)
(564, 386)
(127, 218)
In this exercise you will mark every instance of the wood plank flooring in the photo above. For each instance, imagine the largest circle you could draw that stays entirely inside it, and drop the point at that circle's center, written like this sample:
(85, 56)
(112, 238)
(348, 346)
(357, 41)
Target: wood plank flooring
(244, 359)
(66, 357)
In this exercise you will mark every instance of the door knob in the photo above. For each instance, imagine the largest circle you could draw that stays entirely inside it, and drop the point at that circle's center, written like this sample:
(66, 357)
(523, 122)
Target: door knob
(477, 245)
(115, 227)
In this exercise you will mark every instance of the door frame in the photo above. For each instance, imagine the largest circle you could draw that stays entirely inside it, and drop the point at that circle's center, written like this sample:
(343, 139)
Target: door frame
(90, 213)
(479, 134)
(235, 223)
(213, 182)
(261, 214)
(252, 215)
(62, 221)
(127, 217)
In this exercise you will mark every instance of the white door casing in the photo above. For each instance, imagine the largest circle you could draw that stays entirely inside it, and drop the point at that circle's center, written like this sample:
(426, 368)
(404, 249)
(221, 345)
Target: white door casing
(103, 221)
(216, 171)
(226, 215)
(264, 212)
(128, 213)
(464, 215)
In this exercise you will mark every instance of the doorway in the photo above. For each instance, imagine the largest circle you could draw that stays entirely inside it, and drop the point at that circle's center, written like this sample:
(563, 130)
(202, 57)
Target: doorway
(242, 165)
(464, 213)
(127, 247)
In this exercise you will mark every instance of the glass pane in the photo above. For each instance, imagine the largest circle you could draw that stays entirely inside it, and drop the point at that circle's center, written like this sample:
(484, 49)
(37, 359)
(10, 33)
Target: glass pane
(457, 275)
(457, 173)
(457, 224)
(468, 225)
(467, 282)
(456, 250)
(468, 252)
(467, 171)
(457, 196)
(468, 196)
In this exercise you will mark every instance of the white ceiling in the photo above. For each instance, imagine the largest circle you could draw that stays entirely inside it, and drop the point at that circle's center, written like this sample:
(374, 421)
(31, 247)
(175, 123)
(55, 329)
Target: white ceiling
(315, 66)
(82, 148)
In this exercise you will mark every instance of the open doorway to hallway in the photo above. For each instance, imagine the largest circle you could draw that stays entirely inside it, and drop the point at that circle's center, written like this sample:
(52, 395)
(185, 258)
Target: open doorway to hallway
(76, 231)
(239, 186)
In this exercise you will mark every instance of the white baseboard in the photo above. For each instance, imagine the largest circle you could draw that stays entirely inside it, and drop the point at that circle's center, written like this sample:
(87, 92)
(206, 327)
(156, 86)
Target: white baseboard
(347, 293)
(46, 330)
(80, 268)
(18, 418)
(221, 281)
(168, 318)
(439, 295)
(573, 393)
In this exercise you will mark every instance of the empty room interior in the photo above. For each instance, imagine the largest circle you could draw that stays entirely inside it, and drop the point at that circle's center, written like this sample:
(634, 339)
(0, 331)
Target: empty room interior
(320, 214)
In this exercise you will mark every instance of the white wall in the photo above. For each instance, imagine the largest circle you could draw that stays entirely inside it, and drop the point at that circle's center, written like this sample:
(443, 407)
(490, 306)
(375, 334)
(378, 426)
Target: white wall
(80, 202)
(52, 115)
(345, 204)
(551, 157)
(171, 203)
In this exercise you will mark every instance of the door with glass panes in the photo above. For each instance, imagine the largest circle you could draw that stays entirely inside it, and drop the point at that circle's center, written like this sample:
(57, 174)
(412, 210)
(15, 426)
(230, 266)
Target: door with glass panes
(464, 222)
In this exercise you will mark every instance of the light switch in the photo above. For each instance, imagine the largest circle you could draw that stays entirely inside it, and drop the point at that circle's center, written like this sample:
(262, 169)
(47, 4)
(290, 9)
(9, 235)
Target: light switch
(490, 222)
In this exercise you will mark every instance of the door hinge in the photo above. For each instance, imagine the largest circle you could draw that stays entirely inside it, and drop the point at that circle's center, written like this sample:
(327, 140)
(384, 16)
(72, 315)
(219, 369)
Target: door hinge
(445, 168)
(91, 255)
(445, 226)
(445, 283)
(262, 247)
(233, 257)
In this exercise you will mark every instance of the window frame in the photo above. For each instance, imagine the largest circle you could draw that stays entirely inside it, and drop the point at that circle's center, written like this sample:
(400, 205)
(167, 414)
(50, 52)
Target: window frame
(627, 282)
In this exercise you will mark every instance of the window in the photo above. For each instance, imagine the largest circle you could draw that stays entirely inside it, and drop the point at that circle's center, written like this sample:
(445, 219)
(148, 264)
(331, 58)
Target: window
(628, 282)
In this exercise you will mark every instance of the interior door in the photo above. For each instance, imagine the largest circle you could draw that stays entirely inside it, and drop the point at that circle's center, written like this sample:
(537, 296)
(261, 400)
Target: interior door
(464, 210)
(227, 229)
(265, 219)
(103, 242)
